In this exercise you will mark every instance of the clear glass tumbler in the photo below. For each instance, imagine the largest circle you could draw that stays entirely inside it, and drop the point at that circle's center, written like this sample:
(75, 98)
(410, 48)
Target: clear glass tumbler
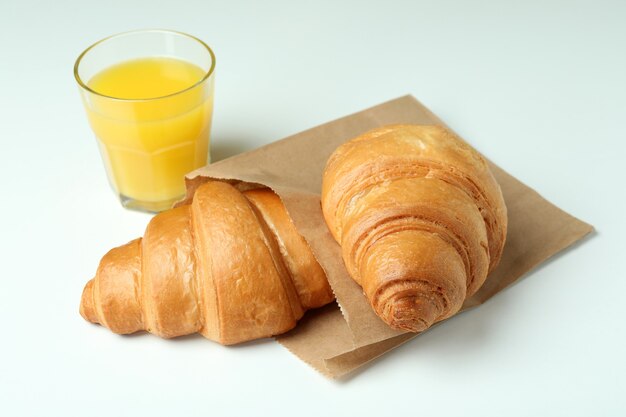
(149, 136)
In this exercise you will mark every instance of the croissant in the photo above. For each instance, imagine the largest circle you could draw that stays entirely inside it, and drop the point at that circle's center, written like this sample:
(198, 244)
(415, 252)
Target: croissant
(420, 219)
(230, 266)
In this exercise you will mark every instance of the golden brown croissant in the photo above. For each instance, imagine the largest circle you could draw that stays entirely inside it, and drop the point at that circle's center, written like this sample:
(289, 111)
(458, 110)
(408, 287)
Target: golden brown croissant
(419, 217)
(230, 266)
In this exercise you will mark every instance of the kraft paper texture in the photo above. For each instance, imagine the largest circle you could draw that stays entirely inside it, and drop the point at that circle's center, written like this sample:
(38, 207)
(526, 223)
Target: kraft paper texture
(341, 337)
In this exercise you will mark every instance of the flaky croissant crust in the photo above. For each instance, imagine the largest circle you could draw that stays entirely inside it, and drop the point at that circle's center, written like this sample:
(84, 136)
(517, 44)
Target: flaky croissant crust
(420, 219)
(230, 266)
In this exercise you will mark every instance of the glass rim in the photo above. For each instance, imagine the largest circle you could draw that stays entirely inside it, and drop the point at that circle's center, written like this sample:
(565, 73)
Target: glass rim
(84, 85)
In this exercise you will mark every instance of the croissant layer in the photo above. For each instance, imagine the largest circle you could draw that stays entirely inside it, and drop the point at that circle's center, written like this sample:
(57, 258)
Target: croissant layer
(230, 266)
(420, 219)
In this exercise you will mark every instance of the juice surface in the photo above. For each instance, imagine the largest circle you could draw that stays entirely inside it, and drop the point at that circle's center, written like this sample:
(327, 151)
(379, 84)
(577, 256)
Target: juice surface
(157, 132)
(146, 78)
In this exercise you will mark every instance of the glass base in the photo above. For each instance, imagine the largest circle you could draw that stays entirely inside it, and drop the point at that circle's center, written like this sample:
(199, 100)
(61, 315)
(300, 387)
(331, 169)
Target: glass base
(149, 206)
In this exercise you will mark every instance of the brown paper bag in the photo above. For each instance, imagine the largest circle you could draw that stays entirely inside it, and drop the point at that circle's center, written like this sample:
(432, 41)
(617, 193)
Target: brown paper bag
(333, 340)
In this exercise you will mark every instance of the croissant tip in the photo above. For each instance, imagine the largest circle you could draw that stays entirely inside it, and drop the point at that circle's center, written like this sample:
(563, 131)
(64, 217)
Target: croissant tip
(412, 314)
(87, 310)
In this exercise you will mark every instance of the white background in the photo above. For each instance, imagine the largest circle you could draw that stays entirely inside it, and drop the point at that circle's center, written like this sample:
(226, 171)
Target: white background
(538, 86)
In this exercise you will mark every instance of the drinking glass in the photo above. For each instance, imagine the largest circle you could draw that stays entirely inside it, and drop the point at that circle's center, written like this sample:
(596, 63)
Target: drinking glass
(148, 144)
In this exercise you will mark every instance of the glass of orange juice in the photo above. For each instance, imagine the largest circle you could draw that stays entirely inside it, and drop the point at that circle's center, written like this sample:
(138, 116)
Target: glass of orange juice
(149, 100)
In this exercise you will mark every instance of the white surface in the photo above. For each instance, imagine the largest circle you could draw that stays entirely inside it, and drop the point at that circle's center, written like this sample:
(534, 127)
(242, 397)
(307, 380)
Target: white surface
(538, 86)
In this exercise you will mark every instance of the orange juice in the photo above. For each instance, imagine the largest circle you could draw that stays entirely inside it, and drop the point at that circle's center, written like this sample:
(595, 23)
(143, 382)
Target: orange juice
(152, 120)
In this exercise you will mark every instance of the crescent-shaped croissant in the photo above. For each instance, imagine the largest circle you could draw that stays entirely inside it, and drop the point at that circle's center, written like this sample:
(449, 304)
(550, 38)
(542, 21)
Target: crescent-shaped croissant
(230, 266)
(420, 219)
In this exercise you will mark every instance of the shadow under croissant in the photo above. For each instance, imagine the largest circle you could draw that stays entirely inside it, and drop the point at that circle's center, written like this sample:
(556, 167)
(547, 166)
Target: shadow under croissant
(196, 337)
(448, 343)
